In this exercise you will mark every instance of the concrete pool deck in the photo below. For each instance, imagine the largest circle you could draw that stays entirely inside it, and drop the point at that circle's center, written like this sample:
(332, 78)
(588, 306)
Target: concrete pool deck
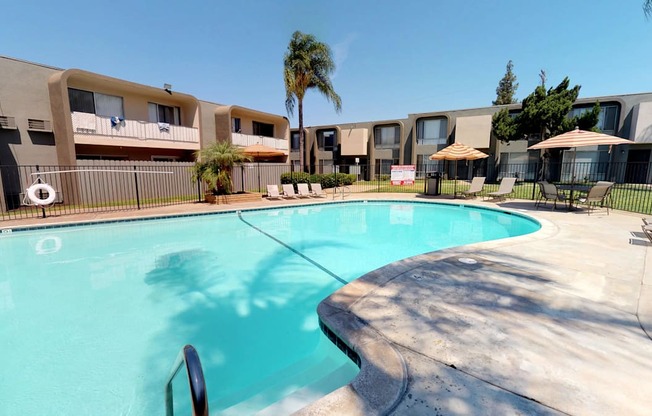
(548, 323)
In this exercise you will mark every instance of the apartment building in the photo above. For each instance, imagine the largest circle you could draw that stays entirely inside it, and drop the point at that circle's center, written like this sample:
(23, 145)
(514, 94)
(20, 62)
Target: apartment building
(68, 117)
(377, 145)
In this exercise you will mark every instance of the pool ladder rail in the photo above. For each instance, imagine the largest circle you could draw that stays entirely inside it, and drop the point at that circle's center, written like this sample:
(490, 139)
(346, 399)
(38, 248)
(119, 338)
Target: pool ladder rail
(344, 191)
(188, 356)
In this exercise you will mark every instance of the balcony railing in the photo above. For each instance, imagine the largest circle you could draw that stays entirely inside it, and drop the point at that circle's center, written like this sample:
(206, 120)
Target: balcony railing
(91, 124)
(245, 140)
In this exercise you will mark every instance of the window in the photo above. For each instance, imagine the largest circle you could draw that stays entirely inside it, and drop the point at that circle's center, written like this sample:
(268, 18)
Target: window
(263, 129)
(387, 137)
(384, 166)
(607, 120)
(164, 114)
(95, 103)
(164, 158)
(101, 157)
(235, 125)
(326, 140)
(432, 131)
(294, 141)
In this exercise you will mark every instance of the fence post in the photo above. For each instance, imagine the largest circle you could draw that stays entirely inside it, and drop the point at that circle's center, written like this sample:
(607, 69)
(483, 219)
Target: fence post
(536, 178)
(136, 182)
(199, 199)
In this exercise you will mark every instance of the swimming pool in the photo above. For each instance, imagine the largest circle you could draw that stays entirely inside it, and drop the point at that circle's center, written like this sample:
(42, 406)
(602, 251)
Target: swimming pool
(92, 317)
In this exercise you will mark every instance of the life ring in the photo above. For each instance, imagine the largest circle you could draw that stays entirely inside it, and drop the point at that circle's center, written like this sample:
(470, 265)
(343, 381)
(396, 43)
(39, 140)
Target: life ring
(44, 187)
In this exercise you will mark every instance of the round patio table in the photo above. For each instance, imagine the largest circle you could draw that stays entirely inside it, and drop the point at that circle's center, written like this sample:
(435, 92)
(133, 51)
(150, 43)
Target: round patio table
(573, 188)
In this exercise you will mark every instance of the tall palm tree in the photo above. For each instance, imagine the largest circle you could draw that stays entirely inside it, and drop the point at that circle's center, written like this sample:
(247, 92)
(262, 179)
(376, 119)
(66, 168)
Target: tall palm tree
(215, 165)
(647, 8)
(308, 64)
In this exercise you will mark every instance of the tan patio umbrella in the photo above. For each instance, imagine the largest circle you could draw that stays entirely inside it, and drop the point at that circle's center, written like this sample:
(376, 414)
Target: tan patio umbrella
(458, 151)
(261, 151)
(578, 138)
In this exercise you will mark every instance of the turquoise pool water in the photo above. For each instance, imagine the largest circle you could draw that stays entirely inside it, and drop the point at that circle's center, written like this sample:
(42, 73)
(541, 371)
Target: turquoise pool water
(92, 317)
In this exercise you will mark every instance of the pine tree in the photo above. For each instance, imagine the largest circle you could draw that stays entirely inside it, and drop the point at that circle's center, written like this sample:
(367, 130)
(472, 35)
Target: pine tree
(506, 87)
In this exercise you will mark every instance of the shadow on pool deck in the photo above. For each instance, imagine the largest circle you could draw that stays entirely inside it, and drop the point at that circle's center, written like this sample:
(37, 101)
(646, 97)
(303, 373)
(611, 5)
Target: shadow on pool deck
(546, 323)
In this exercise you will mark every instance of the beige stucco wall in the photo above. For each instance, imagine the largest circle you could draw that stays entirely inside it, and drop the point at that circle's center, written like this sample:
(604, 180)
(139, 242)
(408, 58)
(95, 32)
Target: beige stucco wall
(23, 95)
(641, 131)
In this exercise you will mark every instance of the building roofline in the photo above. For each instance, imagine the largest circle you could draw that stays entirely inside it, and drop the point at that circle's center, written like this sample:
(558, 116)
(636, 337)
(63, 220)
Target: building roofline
(31, 63)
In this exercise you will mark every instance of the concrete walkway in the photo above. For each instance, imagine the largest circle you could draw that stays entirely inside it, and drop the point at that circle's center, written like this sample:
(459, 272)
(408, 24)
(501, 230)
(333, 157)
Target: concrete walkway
(549, 323)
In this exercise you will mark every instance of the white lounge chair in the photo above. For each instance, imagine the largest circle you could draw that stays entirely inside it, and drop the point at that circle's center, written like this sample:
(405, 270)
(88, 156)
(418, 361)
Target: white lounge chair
(288, 191)
(302, 189)
(476, 187)
(506, 187)
(272, 192)
(316, 190)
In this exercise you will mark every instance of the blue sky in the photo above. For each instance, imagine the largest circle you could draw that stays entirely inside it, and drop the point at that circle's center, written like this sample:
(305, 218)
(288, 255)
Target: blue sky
(394, 57)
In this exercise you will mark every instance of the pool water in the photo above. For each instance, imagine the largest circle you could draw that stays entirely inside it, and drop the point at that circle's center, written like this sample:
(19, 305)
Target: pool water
(92, 317)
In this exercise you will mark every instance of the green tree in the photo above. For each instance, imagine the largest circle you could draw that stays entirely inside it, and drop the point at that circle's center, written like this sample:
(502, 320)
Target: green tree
(308, 64)
(647, 8)
(506, 87)
(544, 113)
(215, 164)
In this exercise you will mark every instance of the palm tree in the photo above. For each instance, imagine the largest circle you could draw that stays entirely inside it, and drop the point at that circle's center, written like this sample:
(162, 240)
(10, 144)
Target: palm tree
(647, 8)
(308, 64)
(215, 164)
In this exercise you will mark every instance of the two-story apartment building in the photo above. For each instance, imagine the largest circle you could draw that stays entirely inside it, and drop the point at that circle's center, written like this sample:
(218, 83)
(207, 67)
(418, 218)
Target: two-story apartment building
(66, 117)
(377, 145)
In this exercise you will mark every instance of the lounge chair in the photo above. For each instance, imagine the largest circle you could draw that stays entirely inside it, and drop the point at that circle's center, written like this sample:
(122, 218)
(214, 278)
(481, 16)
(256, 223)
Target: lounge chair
(288, 191)
(549, 192)
(316, 190)
(272, 192)
(506, 187)
(597, 195)
(302, 189)
(476, 187)
(647, 230)
(647, 220)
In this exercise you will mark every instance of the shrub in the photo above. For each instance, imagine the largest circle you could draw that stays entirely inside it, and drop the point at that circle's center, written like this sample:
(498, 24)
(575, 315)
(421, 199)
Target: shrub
(295, 178)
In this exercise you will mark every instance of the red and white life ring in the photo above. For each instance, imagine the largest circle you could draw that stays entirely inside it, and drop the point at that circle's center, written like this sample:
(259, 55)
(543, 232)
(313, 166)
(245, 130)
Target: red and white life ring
(33, 193)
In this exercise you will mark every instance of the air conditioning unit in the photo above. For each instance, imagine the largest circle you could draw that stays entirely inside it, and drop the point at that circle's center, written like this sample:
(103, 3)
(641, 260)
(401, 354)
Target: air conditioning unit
(7, 122)
(38, 125)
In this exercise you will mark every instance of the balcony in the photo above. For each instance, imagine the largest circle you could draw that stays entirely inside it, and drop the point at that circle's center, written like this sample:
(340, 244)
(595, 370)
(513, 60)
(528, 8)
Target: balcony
(245, 140)
(100, 130)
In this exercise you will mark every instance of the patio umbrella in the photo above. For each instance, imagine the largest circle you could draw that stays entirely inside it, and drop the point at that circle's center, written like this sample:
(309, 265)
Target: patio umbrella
(578, 138)
(261, 151)
(458, 151)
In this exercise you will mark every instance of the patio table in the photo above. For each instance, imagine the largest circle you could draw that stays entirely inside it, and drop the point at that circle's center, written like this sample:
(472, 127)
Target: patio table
(574, 187)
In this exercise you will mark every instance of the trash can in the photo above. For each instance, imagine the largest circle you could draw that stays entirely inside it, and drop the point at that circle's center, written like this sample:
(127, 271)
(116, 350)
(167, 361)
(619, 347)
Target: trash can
(433, 180)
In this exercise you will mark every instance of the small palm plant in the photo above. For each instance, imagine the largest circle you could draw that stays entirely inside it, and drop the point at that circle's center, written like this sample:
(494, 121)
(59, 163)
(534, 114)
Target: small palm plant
(215, 164)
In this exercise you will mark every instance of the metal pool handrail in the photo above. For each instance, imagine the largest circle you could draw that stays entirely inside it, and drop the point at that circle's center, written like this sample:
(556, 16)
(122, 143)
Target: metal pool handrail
(189, 356)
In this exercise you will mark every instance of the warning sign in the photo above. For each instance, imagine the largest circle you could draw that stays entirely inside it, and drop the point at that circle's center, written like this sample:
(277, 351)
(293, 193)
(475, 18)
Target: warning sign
(403, 174)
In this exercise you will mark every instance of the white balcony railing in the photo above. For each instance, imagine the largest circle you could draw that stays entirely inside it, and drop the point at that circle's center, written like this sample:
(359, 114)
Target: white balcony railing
(245, 140)
(91, 124)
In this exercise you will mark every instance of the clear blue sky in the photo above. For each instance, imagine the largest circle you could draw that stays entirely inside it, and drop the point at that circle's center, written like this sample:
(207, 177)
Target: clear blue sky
(394, 57)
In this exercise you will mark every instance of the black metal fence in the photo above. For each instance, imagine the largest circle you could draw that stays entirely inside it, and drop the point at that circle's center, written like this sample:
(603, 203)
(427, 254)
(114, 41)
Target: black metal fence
(96, 186)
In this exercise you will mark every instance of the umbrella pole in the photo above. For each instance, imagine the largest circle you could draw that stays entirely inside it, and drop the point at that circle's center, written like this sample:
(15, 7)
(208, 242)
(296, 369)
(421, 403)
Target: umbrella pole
(258, 175)
(455, 179)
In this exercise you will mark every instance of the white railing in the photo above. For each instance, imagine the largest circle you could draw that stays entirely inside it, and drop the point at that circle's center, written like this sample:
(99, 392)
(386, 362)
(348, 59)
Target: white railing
(85, 123)
(245, 140)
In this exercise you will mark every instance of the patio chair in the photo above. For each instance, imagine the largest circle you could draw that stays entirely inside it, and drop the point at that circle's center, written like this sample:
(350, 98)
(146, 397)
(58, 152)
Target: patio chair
(302, 190)
(316, 190)
(596, 195)
(272, 192)
(477, 184)
(607, 199)
(288, 191)
(647, 220)
(549, 192)
(506, 188)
